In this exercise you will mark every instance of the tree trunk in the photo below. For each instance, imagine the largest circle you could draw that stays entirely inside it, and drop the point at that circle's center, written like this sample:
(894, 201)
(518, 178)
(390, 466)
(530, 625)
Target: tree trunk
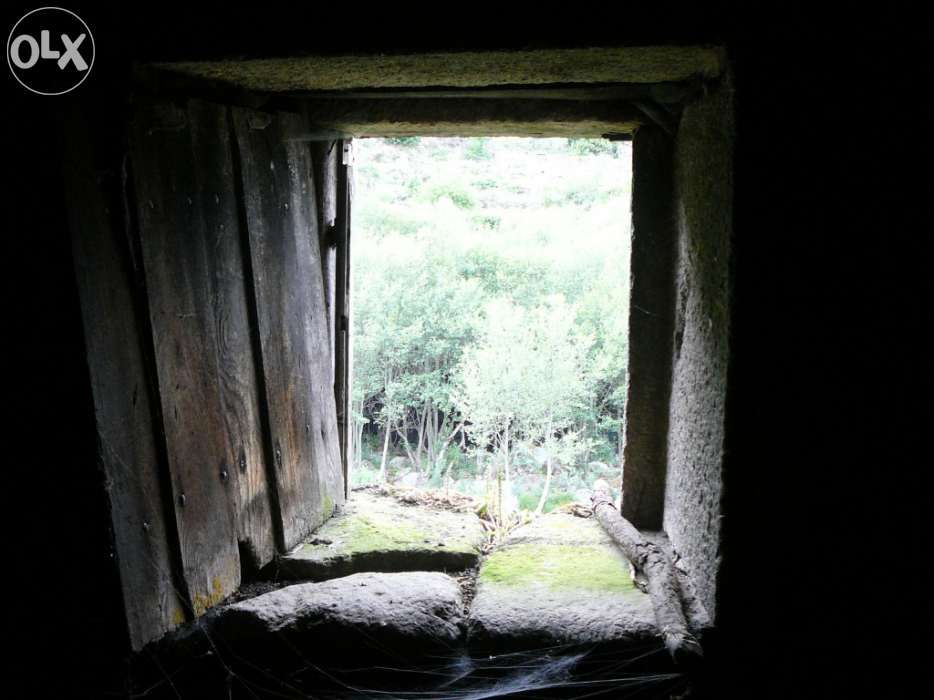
(435, 431)
(649, 559)
(421, 424)
(450, 437)
(506, 452)
(382, 462)
(406, 445)
(541, 501)
(357, 437)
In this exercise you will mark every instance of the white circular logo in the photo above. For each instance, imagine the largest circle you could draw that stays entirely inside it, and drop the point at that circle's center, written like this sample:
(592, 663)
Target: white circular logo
(50, 51)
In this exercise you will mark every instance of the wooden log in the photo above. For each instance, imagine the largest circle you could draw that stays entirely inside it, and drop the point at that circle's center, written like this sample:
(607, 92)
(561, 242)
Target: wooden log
(660, 575)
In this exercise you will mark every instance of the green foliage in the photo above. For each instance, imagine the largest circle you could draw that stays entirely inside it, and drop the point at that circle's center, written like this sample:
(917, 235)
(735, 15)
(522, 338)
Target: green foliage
(459, 194)
(590, 147)
(525, 374)
(490, 289)
(476, 149)
(491, 222)
(405, 141)
(528, 499)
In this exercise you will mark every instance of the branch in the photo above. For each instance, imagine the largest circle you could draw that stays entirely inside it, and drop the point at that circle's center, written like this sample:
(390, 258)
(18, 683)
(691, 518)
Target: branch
(649, 559)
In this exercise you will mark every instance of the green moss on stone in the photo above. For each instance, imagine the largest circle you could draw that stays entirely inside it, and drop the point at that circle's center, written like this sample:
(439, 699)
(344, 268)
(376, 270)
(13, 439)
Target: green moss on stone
(361, 533)
(563, 529)
(558, 567)
(375, 524)
(358, 533)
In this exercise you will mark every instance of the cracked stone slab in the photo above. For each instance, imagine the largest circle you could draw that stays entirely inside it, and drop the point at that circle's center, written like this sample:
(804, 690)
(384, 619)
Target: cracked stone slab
(558, 580)
(377, 533)
(371, 614)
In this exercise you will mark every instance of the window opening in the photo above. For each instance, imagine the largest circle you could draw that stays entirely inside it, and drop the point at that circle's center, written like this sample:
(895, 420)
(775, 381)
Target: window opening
(490, 318)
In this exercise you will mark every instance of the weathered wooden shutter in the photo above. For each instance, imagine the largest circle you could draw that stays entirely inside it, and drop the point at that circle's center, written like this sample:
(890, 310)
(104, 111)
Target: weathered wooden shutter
(209, 350)
(292, 318)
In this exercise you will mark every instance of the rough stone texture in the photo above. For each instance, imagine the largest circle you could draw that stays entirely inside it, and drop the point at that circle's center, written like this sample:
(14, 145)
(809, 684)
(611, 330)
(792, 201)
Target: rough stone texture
(703, 192)
(630, 64)
(375, 533)
(369, 613)
(469, 117)
(559, 580)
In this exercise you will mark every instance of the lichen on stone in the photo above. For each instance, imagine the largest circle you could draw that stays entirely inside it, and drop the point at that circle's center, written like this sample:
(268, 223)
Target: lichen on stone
(360, 533)
(559, 567)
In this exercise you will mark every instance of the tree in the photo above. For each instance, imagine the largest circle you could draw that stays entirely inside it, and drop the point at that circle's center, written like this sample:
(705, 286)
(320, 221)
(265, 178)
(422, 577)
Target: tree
(416, 316)
(524, 381)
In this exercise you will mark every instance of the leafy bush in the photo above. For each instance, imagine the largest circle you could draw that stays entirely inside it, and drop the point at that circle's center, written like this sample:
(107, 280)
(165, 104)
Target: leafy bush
(489, 221)
(405, 141)
(592, 147)
(528, 500)
(476, 149)
(459, 194)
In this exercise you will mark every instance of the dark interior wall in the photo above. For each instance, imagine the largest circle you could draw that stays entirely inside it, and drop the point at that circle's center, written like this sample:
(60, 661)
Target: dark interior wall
(703, 211)
(57, 517)
(821, 479)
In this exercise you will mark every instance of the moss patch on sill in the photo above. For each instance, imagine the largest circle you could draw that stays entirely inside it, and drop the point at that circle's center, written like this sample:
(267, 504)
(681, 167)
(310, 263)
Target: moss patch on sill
(559, 567)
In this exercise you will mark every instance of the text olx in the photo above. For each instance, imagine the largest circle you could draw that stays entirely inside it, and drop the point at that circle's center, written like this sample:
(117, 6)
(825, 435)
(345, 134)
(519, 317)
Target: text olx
(34, 50)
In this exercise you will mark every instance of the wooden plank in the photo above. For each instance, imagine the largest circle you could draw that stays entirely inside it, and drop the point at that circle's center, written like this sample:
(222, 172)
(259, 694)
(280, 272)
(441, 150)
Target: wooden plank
(178, 202)
(123, 400)
(236, 362)
(342, 344)
(325, 158)
(651, 330)
(289, 293)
